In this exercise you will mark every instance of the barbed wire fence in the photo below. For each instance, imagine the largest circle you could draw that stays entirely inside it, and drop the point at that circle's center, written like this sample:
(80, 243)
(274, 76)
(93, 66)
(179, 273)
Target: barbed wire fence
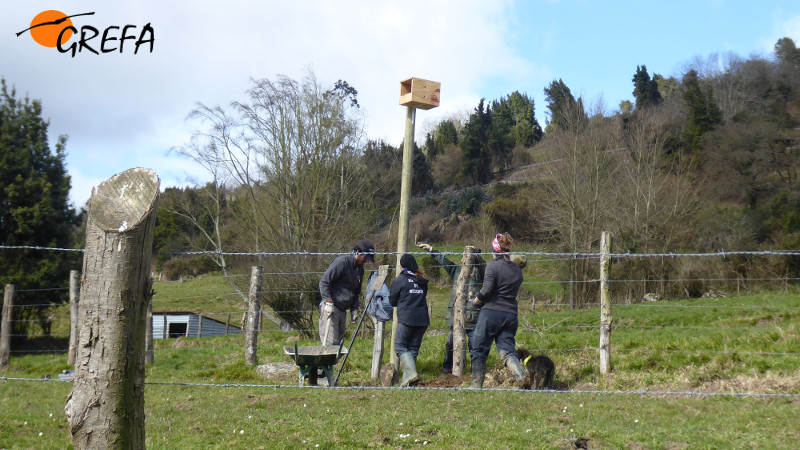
(526, 326)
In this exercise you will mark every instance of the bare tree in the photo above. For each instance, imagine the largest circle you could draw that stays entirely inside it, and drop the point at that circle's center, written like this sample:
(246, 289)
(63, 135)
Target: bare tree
(579, 187)
(293, 150)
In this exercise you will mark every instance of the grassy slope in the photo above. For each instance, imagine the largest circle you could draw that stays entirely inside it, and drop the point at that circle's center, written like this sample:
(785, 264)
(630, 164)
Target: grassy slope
(739, 344)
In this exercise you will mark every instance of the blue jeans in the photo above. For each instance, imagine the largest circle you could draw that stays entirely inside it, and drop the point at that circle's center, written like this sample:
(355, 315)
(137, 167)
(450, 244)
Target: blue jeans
(408, 339)
(447, 364)
(494, 326)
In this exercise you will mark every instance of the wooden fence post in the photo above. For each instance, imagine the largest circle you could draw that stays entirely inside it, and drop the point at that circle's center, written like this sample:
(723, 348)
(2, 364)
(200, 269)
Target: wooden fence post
(74, 297)
(605, 304)
(459, 311)
(199, 325)
(253, 315)
(377, 343)
(228, 324)
(164, 333)
(5, 326)
(106, 406)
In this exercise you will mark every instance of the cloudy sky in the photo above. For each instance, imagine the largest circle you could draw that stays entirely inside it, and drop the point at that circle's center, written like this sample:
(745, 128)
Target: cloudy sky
(125, 110)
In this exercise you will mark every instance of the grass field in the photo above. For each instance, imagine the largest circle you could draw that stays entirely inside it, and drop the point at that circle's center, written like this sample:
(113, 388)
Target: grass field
(701, 373)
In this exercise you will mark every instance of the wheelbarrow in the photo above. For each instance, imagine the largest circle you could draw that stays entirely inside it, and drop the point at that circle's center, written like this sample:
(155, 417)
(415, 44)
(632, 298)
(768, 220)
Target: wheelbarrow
(311, 358)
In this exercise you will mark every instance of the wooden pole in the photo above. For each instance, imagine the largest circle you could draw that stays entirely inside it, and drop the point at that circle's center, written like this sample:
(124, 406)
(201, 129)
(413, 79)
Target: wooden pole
(106, 406)
(402, 226)
(254, 311)
(164, 330)
(5, 326)
(605, 304)
(228, 324)
(74, 297)
(199, 325)
(459, 311)
(377, 345)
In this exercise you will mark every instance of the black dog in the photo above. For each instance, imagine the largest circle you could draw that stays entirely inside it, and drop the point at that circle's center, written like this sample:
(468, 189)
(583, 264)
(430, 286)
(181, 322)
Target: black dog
(541, 369)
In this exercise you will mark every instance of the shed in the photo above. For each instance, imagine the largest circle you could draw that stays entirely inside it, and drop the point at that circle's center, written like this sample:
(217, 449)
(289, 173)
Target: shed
(186, 324)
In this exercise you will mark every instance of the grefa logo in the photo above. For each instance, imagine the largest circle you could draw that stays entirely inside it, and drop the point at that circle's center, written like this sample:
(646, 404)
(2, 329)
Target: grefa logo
(55, 29)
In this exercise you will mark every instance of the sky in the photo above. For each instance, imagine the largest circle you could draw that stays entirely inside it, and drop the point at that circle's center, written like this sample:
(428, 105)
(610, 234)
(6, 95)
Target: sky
(124, 109)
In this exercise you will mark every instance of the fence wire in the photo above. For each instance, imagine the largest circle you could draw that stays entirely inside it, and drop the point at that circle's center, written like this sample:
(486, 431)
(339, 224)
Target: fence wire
(449, 389)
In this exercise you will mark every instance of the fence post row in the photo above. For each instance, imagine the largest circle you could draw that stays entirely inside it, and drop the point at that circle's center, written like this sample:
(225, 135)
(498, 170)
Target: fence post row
(459, 311)
(253, 315)
(605, 304)
(5, 326)
(106, 406)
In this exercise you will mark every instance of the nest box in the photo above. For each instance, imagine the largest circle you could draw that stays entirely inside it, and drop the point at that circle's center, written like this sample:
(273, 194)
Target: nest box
(419, 93)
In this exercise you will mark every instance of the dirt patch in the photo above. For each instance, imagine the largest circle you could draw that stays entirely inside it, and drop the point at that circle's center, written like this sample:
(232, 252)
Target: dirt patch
(282, 372)
(447, 381)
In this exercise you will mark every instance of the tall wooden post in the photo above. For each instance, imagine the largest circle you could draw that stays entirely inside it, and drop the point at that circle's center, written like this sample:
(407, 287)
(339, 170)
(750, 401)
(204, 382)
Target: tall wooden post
(106, 406)
(5, 326)
(253, 314)
(459, 311)
(74, 296)
(402, 226)
(605, 304)
(414, 93)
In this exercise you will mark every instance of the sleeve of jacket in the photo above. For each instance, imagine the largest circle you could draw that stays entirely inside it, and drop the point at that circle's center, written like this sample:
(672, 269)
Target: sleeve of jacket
(394, 292)
(448, 265)
(489, 281)
(357, 299)
(332, 273)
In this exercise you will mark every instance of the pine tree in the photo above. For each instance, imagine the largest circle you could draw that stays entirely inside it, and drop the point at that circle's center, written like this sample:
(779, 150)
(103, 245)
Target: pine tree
(645, 90)
(34, 210)
(704, 114)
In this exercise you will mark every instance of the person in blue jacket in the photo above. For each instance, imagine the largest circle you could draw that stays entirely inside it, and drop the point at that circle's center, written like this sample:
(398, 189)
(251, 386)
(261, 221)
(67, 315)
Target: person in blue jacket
(409, 295)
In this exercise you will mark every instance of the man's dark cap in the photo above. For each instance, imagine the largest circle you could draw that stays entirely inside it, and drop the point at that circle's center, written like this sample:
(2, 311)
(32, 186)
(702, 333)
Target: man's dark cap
(364, 246)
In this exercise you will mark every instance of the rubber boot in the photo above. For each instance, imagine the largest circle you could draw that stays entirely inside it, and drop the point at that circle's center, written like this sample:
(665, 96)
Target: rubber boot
(519, 372)
(409, 363)
(478, 373)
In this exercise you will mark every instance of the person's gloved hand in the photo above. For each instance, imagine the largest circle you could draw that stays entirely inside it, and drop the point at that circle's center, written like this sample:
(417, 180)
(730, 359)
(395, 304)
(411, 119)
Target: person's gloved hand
(327, 309)
(425, 247)
(477, 304)
(353, 315)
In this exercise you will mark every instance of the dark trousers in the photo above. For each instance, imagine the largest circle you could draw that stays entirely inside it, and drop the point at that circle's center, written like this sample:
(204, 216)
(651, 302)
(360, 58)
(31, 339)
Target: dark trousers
(494, 326)
(447, 364)
(408, 339)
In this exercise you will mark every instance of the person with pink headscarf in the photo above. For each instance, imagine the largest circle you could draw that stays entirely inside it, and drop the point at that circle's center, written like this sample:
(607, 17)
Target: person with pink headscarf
(498, 321)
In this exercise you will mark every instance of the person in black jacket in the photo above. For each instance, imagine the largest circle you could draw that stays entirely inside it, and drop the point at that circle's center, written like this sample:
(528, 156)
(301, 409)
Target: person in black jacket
(497, 321)
(408, 294)
(340, 287)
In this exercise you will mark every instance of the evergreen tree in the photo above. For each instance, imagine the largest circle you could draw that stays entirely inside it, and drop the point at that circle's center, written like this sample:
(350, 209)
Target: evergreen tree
(515, 116)
(476, 167)
(34, 210)
(787, 53)
(645, 90)
(704, 114)
(565, 111)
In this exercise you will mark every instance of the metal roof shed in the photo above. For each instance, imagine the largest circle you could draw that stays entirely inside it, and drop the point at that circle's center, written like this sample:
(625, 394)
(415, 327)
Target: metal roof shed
(186, 324)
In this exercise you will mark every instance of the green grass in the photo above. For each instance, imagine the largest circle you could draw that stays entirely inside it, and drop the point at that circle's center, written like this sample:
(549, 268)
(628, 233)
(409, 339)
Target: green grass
(744, 344)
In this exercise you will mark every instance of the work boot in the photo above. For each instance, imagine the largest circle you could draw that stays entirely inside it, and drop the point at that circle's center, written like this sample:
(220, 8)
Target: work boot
(478, 373)
(519, 372)
(409, 363)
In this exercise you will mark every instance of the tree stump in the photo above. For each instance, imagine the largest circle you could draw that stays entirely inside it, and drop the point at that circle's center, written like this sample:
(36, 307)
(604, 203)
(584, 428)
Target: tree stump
(106, 406)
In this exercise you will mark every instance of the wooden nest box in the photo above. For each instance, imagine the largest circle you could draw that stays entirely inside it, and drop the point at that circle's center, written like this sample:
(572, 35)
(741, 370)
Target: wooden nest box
(419, 93)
